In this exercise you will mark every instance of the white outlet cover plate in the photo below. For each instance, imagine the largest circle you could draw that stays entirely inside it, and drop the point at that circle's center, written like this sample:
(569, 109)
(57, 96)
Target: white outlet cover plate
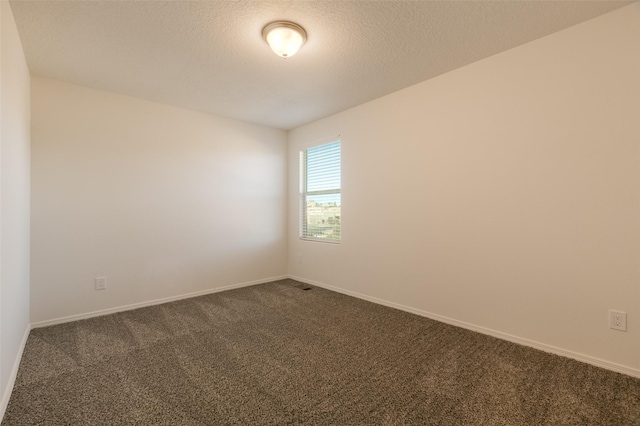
(618, 320)
(101, 283)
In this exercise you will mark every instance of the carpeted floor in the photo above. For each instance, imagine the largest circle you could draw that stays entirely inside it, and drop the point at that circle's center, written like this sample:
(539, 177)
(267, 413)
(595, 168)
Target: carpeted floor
(276, 354)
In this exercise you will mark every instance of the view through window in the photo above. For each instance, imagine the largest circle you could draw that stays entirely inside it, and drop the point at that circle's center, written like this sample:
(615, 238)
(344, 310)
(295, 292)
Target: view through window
(320, 192)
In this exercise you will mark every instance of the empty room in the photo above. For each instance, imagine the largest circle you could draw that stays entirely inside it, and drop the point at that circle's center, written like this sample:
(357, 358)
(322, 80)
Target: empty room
(320, 212)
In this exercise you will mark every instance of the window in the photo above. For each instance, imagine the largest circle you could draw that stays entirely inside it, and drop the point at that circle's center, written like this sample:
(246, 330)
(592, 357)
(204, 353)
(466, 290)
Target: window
(320, 193)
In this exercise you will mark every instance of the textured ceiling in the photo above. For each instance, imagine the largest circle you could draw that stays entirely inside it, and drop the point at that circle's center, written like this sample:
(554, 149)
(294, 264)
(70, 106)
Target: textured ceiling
(209, 55)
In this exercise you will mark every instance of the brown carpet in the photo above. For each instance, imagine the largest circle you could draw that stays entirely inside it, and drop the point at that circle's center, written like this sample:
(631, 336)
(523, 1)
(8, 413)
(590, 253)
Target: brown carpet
(276, 354)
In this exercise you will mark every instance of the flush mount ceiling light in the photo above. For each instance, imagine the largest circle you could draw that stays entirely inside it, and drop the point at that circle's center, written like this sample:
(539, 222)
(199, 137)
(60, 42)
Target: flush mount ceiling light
(285, 38)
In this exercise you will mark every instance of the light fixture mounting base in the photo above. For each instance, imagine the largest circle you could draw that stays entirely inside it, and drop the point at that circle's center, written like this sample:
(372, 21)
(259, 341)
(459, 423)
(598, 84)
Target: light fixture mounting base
(284, 24)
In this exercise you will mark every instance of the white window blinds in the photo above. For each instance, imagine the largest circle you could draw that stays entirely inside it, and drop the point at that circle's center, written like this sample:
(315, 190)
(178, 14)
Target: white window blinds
(320, 193)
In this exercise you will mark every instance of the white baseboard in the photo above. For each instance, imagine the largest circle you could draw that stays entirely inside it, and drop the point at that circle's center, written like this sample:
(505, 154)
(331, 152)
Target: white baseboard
(630, 371)
(151, 302)
(14, 373)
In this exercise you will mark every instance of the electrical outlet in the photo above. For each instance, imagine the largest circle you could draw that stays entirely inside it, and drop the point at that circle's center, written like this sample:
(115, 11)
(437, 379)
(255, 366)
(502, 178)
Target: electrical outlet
(101, 283)
(299, 257)
(618, 320)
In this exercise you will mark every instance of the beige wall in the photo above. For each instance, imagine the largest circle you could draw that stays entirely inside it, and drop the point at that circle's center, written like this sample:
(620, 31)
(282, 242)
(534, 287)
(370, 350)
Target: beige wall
(503, 196)
(14, 201)
(162, 201)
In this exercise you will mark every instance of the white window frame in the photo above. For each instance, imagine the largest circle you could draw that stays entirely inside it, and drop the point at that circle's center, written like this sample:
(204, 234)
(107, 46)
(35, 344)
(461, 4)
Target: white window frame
(304, 193)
